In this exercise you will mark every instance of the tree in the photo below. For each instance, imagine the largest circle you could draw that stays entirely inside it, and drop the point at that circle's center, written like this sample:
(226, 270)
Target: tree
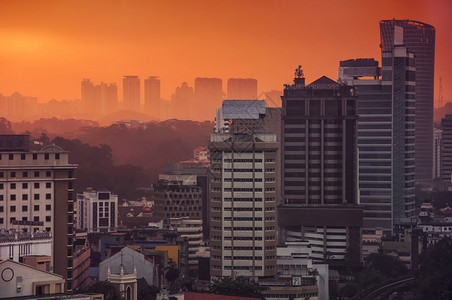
(436, 271)
(149, 293)
(171, 275)
(348, 290)
(107, 289)
(236, 287)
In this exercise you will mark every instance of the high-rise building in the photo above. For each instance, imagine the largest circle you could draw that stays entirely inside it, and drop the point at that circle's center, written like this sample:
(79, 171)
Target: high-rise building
(319, 182)
(152, 101)
(446, 149)
(386, 131)
(243, 195)
(98, 99)
(419, 38)
(242, 89)
(182, 102)
(37, 194)
(208, 96)
(97, 211)
(131, 93)
(109, 97)
(437, 144)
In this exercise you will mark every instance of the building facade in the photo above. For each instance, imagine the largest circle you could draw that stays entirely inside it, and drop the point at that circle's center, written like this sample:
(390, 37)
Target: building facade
(131, 93)
(386, 134)
(97, 211)
(446, 148)
(152, 101)
(419, 38)
(208, 96)
(37, 195)
(242, 88)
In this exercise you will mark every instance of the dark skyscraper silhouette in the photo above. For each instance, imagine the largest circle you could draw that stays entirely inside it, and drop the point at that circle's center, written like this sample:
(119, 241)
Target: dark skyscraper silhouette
(419, 38)
(152, 101)
(131, 93)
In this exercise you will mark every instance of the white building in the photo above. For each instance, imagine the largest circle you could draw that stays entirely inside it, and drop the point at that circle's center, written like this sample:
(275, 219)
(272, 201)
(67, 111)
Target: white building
(97, 211)
(16, 245)
(20, 280)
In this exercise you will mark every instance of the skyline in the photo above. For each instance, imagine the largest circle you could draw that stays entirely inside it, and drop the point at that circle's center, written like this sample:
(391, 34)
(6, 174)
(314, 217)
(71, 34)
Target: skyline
(47, 49)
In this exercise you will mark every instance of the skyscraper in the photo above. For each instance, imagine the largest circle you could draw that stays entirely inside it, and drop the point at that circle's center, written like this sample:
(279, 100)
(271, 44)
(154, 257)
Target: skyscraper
(109, 97)
(37, 194)
(419, 38)
(208, 96)
(98, 99)
(182, 102)
(243, 194)
(319, 169)
(131, 93)
(446, 148)
(242, 88)
(386, 109)
(152, 96)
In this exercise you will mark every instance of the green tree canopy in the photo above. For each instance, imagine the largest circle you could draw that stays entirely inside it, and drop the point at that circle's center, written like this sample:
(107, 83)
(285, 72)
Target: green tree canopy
(436, 271)
(236, 287)
(107, 289)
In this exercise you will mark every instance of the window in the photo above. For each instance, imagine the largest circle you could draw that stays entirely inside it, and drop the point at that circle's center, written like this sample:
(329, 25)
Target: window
(24, 208)
(48, 174)
(25, 174)
(12, 208)
(22, 156)
(1, 197)
(2, 175)
(36, 219)
(36, 196)
(1, 186)
(36, 174)
(48, 196)
(47, 218)
(12, 197)
(35, 156)
(57, 155)
(46, 156)
(25, 185)
(36, 208)
(13, 174)
(11, 156)
(1, 220)
(1, 208)
(36, 185)
(48, 185)
(13, 186)
(48, 207)
(24, 196)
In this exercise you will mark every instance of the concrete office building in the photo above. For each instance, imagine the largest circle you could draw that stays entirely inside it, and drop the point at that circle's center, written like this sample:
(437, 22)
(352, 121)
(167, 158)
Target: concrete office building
(437, 140)
(242, 88)
(319, 184)
(37, 194)
(152, 101)
(131, 93)
(419, 38)
(386, 134)
(243, 195)
(97, 211)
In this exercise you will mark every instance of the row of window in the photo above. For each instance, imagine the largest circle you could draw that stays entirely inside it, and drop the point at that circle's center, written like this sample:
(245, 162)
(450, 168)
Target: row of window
(36, 219)
(35, 156)
(36, 185)
(13, 197)
(25, 174)
(12, 208)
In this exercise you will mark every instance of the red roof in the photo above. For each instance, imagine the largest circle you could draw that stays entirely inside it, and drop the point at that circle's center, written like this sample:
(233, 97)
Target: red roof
(202, 296)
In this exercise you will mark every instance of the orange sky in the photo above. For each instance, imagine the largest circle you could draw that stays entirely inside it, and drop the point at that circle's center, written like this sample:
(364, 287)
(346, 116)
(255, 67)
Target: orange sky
(47, 47)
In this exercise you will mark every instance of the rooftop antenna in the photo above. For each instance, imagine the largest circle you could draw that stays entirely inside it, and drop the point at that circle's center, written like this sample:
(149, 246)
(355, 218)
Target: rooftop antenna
(299, 72)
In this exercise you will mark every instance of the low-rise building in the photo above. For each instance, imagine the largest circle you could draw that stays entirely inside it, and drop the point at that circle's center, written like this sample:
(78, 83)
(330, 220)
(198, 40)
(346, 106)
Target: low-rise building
(16, 245)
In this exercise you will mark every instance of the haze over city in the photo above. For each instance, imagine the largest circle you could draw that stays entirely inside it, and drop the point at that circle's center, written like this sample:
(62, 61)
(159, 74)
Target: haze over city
(48, 47)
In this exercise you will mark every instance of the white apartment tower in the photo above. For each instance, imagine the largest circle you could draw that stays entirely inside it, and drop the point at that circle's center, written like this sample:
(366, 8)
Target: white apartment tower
(97, 211)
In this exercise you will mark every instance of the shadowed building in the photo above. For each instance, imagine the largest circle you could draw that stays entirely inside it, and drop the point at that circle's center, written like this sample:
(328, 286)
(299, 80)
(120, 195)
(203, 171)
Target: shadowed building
(242, 88)
(319, 185)
(131, 93)
(208, 96)
(152, 96)
(419, 38)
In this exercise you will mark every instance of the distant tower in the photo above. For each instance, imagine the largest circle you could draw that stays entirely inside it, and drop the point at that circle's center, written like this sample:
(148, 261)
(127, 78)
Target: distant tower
(419, 38)
(152, 101)
(182, 102)
(208, 96)
(131, 93)
(109, 96)
(242, 88)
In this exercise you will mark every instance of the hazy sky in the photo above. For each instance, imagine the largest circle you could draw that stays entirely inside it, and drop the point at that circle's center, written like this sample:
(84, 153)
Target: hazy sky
(48, 47)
